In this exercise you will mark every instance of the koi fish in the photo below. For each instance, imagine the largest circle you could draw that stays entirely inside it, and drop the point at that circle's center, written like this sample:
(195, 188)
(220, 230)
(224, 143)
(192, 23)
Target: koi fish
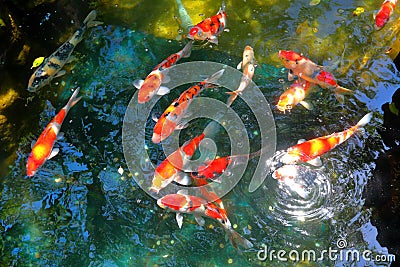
(43, 149)
(294, 95)
(51, 66)
(170, 119)
(199, 207)
(247, 64)
(152, 84)
(210, 28)
(384, 13)
(169, 169)
(309, 151)
(307, 70)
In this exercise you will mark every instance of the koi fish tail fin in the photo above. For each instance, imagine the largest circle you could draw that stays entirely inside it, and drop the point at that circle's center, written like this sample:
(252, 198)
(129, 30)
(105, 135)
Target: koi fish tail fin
(211, 129)
(213, 79)
(90, 20)
(237, 240)
(231, 98)
(74, 99)
(187, 50)
(365, 120)
(340, 91)
(223, 7)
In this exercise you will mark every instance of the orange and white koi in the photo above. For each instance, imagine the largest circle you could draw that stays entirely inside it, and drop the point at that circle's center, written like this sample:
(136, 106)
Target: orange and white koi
(199, 207)
(294, 95)
(247, 64)
(171, 118)
(309, 151)
(169, 169)
(384, 13)
(209, 28)
(152, 84)
(307, 70)
(43, 149)
(51, 66)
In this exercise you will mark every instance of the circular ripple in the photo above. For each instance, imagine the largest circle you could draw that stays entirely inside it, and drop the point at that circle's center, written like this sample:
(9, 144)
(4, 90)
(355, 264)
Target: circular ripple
(305, 196)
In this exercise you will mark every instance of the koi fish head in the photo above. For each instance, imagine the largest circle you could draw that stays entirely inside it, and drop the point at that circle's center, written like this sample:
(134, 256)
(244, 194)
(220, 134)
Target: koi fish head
(289, 58)
(162, 130)
(196, 33)
(38, 79)
(285, 102)
(291, 157)
(286, 172)
(248, 55)
(31, 167)
(294, 95)
(383, 15)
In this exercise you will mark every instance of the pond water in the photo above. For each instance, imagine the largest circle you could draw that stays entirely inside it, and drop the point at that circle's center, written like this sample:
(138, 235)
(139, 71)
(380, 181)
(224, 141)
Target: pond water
(78, 210)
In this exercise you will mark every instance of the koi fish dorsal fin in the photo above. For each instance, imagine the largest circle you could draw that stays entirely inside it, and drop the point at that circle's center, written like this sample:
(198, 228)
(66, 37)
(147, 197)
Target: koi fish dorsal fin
(300, 141)
(179, 219)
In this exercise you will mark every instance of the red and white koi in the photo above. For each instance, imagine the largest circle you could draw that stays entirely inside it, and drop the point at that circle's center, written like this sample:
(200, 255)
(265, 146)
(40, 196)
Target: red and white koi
(199, 207)
(309, 151)
(51, 66)
(307, 70)
(209, 28)
(171, 118)
(43, 149)
(296, 94)
(384, 13)
(152, 84)
(247, 64)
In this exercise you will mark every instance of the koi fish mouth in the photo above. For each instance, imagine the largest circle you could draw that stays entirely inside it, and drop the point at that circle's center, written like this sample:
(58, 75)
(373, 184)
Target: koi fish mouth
(283, 108)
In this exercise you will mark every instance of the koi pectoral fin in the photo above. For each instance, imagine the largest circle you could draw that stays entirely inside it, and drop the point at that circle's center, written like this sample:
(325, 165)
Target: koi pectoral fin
(60, 136)
(213, 39)
(60, 73)
(307, 105)
(163, 90)
(239, 66)
(315, 162)
(290, 76)
(179, 219)
(53, 153)
(199, 220)
(138, 83)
